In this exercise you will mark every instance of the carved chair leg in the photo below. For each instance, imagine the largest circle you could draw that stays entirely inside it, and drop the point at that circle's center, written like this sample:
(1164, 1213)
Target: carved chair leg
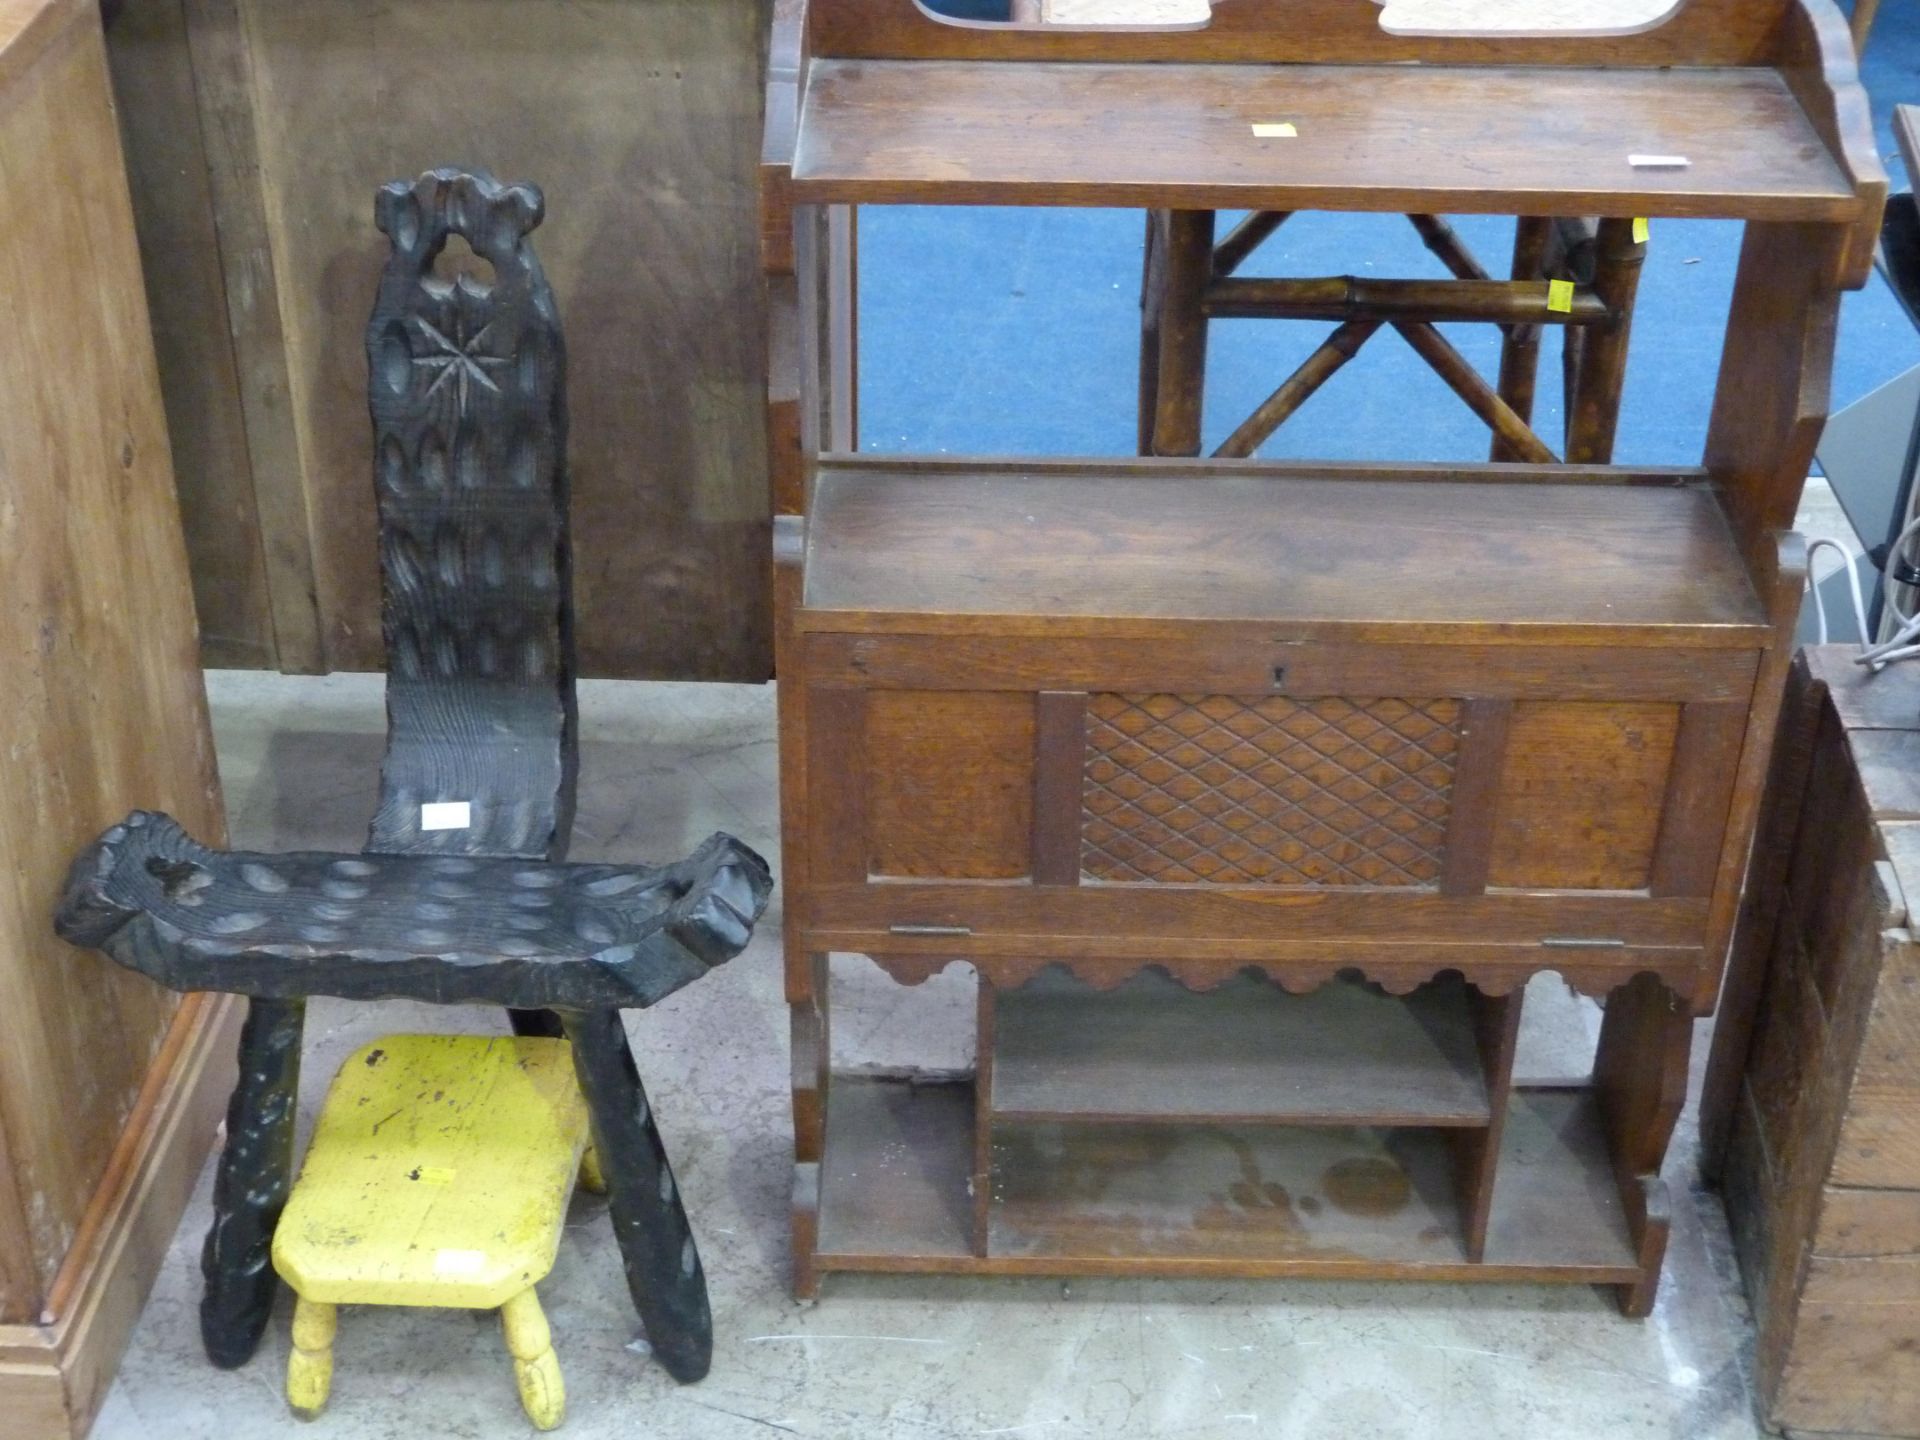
(250, 1188)
(664, 1277)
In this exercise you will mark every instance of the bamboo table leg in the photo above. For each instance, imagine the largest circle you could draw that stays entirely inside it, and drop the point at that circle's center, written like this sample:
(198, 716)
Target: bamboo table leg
(1186, 265)
(1593, 415)
(1520, 350)
(664, 1277)
(250, 1188)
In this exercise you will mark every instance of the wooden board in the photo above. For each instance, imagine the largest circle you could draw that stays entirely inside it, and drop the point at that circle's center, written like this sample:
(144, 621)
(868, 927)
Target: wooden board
(1581, 803)
(1691, 32)
(1149, 1199)
(893, 1181)
(950, 776)
(941, 549)
(1246, 1053)
(102, 706)
(1430, 138)
(108, 1084)
(186, 293)
(651, 243)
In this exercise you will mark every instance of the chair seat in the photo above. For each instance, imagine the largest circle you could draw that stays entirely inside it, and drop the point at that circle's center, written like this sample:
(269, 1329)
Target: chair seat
(439, 1173)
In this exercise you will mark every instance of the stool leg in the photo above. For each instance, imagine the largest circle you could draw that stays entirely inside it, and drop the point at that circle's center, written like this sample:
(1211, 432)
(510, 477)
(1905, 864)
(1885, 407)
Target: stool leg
(536, 1369)
(310, 1363)
(664, 1277)
(250, 1188)
(592, 1178)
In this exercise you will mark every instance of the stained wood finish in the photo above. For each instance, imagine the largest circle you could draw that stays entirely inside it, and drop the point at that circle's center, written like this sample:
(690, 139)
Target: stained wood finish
(1060, 758)
(1222, 790)
(950, 785)
(1175, 1202)
(1246, 1053)
(108, 1099)
(1484, 728)
(284, 116)
(1234, 659)
(1581, 804)
(1700, 32)
(199, 376)
(1812, 1090)
(1611, 640)
(953, 132)
(896, 549)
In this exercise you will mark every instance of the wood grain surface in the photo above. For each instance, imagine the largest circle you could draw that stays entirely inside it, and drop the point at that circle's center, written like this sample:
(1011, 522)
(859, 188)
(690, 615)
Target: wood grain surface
(1182, 135)
(951, 550)
(649, 164)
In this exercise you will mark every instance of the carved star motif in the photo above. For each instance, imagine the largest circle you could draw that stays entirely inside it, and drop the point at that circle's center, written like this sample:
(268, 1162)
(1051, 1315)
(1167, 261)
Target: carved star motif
(458, 361)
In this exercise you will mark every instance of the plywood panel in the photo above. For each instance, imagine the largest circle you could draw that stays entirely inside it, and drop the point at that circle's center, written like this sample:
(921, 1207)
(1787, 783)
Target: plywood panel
(642, 124)
(102, 704)
(951, 784)
(1580, 802)
(186, 295)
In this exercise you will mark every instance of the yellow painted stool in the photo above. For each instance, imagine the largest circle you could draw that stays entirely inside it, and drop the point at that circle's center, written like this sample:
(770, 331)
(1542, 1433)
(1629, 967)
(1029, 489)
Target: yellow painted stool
(439, 1175)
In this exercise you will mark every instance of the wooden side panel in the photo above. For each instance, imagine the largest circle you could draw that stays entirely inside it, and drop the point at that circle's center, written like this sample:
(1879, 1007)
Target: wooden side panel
(153, 85)
(102, 703)
(1581, 799)
(950, 779)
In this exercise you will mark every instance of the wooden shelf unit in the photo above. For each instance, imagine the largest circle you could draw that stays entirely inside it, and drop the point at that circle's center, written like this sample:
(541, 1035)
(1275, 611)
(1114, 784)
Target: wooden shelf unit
(1305, 769)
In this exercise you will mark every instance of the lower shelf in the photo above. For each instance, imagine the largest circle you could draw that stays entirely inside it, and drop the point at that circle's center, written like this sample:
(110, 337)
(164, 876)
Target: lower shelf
(1204, 1199)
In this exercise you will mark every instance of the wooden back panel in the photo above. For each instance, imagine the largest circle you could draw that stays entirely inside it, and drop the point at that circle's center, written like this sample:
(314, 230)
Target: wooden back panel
(1698, 32)
(467, 385)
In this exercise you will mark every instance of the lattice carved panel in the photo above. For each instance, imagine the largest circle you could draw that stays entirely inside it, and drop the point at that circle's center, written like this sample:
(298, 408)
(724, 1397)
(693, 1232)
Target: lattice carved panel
(1222, 790)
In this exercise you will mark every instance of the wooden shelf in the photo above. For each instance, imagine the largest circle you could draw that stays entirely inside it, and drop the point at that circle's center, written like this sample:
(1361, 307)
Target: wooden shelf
(1212, 1199)
(1247, 1053)
(984, 548)
(1437, 138)
(893, 1181)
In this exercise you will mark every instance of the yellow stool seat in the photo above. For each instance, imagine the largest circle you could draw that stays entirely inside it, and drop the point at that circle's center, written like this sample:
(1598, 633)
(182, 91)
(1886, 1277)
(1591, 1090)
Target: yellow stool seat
(438, 1175)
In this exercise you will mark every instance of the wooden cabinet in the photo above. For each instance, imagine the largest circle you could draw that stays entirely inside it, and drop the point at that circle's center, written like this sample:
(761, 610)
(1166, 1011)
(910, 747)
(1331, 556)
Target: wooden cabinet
(1808, 1113)
(1255, 793)
(109, 1086)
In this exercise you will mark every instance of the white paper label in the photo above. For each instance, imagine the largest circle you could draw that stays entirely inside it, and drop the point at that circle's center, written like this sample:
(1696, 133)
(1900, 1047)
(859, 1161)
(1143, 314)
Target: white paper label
(459, 1262)
(1275, 130)
(1658, 162)
(447, 815)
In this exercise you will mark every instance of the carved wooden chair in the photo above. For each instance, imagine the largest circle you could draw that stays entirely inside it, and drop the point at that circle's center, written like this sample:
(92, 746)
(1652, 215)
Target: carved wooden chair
(459, 896)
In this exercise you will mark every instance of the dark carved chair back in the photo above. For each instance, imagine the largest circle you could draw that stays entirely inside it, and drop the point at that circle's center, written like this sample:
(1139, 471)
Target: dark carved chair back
(467, 384)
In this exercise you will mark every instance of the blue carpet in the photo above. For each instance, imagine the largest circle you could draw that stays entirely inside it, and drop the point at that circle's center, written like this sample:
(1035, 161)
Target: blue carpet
(1017, 331)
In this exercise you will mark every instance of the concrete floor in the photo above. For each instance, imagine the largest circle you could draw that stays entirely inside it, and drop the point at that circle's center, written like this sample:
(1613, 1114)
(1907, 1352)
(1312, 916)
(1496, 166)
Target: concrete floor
(914, 1357)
